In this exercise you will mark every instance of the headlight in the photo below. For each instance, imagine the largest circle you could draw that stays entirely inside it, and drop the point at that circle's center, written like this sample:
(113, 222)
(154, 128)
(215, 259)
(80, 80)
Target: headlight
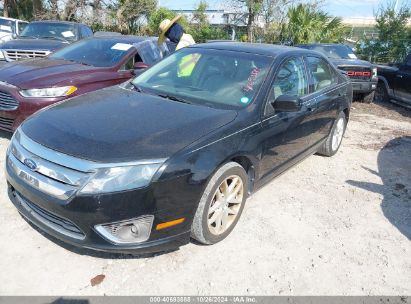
(1, 55)
(121, 178)
(374, 72)
(49, 92)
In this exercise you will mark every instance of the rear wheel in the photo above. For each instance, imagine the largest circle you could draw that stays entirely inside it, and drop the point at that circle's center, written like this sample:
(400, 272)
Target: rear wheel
(333, 142)
(221, 205)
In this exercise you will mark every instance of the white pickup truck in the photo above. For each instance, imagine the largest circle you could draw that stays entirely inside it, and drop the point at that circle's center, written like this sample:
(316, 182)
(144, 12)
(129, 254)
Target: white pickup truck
(10, 28)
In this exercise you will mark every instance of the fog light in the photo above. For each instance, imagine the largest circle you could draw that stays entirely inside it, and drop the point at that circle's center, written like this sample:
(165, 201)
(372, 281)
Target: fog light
(127, 232)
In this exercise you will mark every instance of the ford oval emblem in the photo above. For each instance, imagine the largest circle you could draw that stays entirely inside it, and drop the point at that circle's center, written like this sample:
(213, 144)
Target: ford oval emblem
(30, 163)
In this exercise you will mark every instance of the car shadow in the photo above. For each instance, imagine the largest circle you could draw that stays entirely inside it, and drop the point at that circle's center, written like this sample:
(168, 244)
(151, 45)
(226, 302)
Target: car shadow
(394, 169)
(94, 253)
(4, 134)
(403, 111)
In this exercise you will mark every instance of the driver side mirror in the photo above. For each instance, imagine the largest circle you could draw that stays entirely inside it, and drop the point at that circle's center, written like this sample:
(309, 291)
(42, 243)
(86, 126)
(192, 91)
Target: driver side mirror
(139, 67)
(14, 35)
(287, 103)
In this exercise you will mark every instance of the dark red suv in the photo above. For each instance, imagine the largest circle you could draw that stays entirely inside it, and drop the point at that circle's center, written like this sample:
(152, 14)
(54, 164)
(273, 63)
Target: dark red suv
(84, 66)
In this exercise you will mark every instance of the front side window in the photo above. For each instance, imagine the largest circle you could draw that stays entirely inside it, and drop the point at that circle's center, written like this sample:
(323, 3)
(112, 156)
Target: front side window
(226, 79)
(321, 73)
(6, 25)
(291, 79)
(21, 26)
(96, 52)
(58, 31)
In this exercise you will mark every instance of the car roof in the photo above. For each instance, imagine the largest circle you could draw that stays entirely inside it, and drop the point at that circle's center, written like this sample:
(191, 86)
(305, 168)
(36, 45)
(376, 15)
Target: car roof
(319, 44)
(123, 38)
(271, 50)
(11, 19)
(57, 21)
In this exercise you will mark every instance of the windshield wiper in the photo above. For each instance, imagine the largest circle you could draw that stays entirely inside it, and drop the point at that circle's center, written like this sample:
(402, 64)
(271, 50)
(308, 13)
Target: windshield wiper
(174, 98)
(79, 62)
(136, 87)
(32, 37)
(54, 37)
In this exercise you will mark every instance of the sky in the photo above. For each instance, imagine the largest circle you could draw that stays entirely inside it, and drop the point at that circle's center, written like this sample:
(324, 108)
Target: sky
(341, 8)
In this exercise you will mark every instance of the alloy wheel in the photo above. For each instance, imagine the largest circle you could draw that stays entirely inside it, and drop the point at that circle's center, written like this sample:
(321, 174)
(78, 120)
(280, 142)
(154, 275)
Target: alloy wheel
(338, 134)
(225, 204)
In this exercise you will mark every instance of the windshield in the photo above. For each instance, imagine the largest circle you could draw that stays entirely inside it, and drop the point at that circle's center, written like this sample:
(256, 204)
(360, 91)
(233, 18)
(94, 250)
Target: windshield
(58, 31)
(6, 26)
(96, 52)
(217, 78)
(333, 51)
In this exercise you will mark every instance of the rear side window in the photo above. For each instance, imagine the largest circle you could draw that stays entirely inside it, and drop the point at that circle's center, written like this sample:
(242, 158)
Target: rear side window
(321, 73)
(85, 32)
(290, 79)
(149, 52)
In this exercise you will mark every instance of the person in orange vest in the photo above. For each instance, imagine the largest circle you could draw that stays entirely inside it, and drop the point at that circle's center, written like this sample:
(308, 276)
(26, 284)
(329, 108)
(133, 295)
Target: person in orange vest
(175, 33)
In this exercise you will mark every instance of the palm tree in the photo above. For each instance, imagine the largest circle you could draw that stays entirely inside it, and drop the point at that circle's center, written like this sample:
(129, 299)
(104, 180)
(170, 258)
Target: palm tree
(307, 24)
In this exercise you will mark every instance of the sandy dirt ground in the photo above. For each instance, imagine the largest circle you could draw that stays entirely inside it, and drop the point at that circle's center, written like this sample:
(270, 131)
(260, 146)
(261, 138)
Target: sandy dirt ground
(329, 226)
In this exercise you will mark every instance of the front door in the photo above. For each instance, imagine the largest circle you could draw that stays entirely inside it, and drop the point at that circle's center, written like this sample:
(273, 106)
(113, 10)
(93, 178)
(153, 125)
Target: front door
(402, 88)
(285, 135)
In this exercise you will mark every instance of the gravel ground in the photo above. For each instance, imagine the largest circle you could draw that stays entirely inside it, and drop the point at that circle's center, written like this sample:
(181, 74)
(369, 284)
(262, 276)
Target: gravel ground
(329, 226)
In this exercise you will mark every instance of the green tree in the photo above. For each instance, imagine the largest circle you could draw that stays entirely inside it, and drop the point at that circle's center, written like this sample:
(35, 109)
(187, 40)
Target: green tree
(308, 24)
(131, 13)
(394, 37)
(159, 15)
(250, 11)
(201, 29)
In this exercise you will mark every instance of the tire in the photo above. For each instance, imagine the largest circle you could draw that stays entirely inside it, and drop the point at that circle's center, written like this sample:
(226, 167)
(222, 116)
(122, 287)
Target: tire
(329, 148)
(201, 230)
(368, 97)
(381, 93)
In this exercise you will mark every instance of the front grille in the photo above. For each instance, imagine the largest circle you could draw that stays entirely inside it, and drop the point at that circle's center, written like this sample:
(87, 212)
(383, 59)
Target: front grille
(352, 70)
(7, 102)
(6, 124)
(53, 221)
(12, 55)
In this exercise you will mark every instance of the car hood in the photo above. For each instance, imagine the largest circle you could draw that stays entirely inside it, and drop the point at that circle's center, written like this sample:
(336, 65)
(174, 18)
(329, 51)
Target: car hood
(34, 44)
(351, 62)
(41, 73)
(119, 125)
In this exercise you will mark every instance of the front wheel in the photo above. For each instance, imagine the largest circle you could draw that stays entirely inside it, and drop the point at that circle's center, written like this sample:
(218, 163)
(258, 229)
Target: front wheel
(221, 205)
(333, 142)
(381, 94)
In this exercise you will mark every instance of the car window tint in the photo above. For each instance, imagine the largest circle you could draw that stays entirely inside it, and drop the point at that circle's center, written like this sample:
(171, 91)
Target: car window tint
(291, 79)
(225, 79)
(98, 52)
(321, 73)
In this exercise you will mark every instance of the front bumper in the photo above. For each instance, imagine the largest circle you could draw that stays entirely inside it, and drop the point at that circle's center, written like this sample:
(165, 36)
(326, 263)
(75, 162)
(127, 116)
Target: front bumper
(82, 213)
(94, 241)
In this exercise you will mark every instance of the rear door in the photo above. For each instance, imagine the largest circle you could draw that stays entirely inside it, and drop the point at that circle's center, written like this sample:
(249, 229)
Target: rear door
(326, 93)
(402, 89)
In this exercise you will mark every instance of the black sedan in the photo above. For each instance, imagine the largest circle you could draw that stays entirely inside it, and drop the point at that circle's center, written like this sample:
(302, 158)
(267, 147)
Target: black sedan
(175, 153)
